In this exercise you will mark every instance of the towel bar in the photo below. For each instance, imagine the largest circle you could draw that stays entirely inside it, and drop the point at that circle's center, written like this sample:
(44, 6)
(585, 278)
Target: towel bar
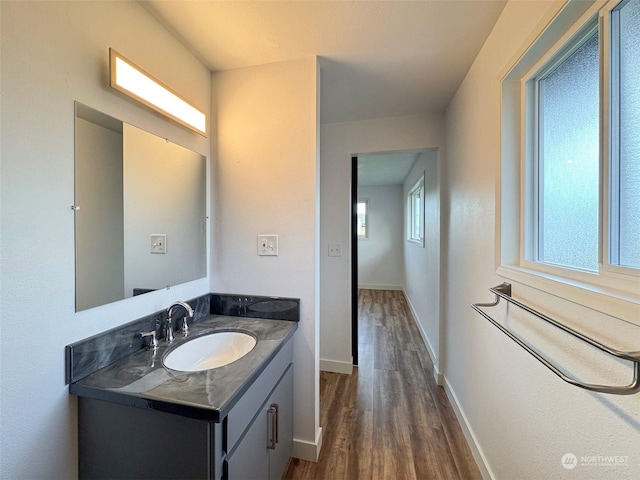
(504, 292)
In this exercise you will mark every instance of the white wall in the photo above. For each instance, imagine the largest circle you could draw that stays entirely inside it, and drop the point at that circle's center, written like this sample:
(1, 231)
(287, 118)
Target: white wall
(522, 418)
(265, 178)
(339, 141)
(54, 53)
(380, 262)
(422, 263)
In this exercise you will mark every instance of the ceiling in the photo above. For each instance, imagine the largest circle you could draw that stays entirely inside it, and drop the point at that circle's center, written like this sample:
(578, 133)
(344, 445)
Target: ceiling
(385, 168)
(378, 58)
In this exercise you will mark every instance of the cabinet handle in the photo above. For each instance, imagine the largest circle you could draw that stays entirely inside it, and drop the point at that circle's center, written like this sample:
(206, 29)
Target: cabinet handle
(277, 424)
(273, 424)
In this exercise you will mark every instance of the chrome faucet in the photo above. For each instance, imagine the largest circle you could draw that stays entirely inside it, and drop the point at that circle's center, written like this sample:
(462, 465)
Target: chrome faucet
(185, 326)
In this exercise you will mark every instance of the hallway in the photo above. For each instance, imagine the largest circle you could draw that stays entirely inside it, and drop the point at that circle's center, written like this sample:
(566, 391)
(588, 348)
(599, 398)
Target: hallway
(389, 419)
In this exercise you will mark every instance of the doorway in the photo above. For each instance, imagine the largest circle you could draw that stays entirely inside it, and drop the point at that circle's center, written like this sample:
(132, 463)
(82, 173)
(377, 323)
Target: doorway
(380, 182)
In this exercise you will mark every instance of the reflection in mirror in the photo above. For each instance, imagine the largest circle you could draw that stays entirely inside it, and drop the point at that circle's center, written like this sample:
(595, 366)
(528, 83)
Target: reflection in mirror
(140, 211)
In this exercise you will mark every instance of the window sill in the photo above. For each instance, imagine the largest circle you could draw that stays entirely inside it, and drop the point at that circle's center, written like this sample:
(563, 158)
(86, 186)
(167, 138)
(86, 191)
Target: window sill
(608, 301)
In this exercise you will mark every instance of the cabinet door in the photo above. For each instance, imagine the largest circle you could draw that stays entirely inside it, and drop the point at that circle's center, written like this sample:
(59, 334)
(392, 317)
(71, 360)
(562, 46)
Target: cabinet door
(258, 456)
(250, 459)
(282, 396)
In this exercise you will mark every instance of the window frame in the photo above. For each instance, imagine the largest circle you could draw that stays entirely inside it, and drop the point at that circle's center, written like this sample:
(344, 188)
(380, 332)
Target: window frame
(611, 139)
(418, 186)
(613, 289)
(366, 218)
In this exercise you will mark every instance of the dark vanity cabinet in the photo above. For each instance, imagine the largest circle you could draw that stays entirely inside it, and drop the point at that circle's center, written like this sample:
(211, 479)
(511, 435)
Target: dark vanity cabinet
(121, 442)
(253, 439)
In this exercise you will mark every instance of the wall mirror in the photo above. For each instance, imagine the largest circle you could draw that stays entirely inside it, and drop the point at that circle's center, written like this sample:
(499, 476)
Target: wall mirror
(140, 211)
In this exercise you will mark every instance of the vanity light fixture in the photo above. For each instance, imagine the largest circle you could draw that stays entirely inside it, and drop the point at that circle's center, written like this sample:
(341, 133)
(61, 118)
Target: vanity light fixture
(131, 80)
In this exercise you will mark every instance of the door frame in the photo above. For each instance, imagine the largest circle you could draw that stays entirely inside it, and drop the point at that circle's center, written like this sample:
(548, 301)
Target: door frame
(354, 259)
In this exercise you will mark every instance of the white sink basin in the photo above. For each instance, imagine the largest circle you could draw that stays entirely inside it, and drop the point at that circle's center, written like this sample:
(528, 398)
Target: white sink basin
(209, 351)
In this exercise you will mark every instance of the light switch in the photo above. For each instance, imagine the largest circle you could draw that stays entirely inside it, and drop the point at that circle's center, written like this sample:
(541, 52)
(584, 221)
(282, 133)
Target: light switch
(335, 249)
(268, 245)
(159, 243)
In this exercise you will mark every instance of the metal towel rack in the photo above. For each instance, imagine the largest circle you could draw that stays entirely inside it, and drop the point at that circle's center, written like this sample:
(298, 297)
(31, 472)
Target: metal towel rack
(504, 291)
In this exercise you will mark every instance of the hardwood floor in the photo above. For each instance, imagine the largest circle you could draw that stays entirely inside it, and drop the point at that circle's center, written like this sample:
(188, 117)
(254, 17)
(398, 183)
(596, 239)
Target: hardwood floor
(389, 419)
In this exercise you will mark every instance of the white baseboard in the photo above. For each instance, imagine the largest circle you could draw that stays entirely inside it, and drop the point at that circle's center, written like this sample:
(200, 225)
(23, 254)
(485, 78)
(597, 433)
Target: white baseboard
(366, 286)
(336, 367)
(439, 377)
(472, 441)
(307, 450)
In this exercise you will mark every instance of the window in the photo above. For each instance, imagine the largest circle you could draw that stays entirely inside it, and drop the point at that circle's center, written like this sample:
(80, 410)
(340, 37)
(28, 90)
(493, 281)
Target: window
(415, 212)
(572, 161)
(362, 211)
(624, 194)
(566, 224)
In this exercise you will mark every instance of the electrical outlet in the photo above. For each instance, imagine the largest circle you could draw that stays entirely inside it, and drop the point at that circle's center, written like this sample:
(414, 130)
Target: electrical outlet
(158, 243)
(268, 245)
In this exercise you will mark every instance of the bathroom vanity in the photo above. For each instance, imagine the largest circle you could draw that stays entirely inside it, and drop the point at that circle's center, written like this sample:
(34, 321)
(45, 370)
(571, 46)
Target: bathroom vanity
(139, 419)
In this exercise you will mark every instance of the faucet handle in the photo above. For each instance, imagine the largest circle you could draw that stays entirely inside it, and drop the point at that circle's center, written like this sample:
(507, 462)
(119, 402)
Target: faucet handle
(185, 326)
(168, 336)
(153, 344)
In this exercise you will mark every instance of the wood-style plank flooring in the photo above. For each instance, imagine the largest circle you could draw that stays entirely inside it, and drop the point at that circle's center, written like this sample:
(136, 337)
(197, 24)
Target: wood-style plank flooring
(389, 419)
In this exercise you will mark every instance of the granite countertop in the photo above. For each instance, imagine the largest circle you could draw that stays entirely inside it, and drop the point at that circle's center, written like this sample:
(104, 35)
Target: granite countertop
(140, 379)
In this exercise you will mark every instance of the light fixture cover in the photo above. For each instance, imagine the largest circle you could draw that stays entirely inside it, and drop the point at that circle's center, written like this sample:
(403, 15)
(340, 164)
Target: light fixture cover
(131, 80)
